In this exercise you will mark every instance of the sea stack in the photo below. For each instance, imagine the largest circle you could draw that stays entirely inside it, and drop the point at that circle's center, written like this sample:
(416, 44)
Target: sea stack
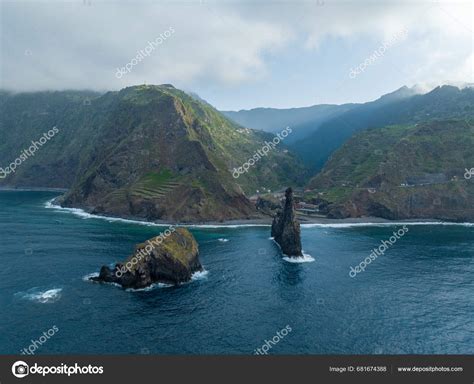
(286, 229)
(170, 258)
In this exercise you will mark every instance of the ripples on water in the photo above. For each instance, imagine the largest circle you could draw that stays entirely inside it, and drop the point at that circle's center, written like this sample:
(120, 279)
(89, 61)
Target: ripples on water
(417, 298)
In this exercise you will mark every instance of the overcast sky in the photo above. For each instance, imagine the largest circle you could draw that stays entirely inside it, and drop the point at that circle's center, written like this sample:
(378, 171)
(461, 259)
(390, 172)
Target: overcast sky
(238, 54)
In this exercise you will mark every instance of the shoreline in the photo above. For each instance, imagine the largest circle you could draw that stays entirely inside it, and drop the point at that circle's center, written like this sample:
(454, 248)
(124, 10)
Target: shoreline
(256, 222)
(264, 222)
(326, 222)
(32, 189)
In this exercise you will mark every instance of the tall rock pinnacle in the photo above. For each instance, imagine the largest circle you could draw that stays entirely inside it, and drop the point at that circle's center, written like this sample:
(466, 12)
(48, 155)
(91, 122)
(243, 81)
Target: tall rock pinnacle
(286, 229)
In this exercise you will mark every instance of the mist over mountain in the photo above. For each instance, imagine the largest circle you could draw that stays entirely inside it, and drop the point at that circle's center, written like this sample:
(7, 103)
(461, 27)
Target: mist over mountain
(303, 121)
(396, 108)
(290, 179)
(159, 153)
(146, 151)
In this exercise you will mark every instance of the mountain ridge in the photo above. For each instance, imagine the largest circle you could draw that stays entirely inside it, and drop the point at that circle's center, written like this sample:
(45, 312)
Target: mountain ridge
(145, 151)
(401, 172)
(441, 102)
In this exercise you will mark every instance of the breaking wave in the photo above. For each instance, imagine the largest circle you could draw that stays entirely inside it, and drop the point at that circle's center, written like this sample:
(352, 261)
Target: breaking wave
(48, 296)
(85, 215)
(306, 258)
(199, 275)
(383, 224)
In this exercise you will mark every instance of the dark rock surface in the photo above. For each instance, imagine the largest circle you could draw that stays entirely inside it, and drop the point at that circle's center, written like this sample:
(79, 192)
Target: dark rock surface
(168, 259)
(267, 205)
(286, 229)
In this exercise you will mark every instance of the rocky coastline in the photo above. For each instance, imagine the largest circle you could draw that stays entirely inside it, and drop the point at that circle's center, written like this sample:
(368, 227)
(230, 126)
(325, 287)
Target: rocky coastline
(170, 258)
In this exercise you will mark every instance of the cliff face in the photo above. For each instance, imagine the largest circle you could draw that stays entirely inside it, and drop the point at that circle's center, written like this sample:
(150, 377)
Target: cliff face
(402, 172)
(168, 259)
(165, 165)
(151, 152)
(286, 229)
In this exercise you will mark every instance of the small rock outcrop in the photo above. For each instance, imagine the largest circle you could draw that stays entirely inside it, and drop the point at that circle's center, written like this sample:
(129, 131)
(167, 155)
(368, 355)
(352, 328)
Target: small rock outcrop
(164, 259)
(286, 229)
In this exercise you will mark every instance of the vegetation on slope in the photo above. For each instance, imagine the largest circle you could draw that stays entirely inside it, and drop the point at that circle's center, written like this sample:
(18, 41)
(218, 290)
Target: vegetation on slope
(148, 151)
(398, 172)
(441, 103)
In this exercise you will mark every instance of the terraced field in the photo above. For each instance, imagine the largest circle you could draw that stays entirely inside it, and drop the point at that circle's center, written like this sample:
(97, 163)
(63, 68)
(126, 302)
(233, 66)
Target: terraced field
(152, 186)
(155, 185)
(153, 193)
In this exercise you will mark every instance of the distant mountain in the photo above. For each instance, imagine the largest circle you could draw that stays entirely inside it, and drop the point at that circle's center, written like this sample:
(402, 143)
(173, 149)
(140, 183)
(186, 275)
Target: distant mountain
(400, 107)
(303, 121)
(397, 95)
(26, 116)
(146, 151)
(401, 172)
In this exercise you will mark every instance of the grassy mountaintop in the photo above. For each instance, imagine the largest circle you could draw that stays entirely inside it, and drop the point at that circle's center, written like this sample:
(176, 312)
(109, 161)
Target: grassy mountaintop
(148, 151)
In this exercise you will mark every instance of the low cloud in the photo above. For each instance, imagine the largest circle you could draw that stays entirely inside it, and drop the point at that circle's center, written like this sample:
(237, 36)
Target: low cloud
(76, 45)
(80, 44)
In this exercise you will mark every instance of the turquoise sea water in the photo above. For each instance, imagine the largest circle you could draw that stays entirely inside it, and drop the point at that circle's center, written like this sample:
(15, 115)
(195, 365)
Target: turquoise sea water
(416, 298)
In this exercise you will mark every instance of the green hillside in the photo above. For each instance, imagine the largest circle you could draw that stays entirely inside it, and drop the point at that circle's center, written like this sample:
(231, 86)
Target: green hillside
(441, 103)
(146, 151)
(401, 172)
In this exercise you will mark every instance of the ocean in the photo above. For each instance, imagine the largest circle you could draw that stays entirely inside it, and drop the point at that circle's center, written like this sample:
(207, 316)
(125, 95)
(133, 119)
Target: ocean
(416, 298)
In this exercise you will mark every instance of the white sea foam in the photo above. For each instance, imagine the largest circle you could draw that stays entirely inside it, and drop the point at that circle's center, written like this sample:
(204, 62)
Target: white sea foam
(149, 288)
(96, 274)
(199, 275)
(223, 240)
(306, 258)
(112, 283)
(227, 225)
(384, 224)
(48, 296)
(90, 275)
(81, 213)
